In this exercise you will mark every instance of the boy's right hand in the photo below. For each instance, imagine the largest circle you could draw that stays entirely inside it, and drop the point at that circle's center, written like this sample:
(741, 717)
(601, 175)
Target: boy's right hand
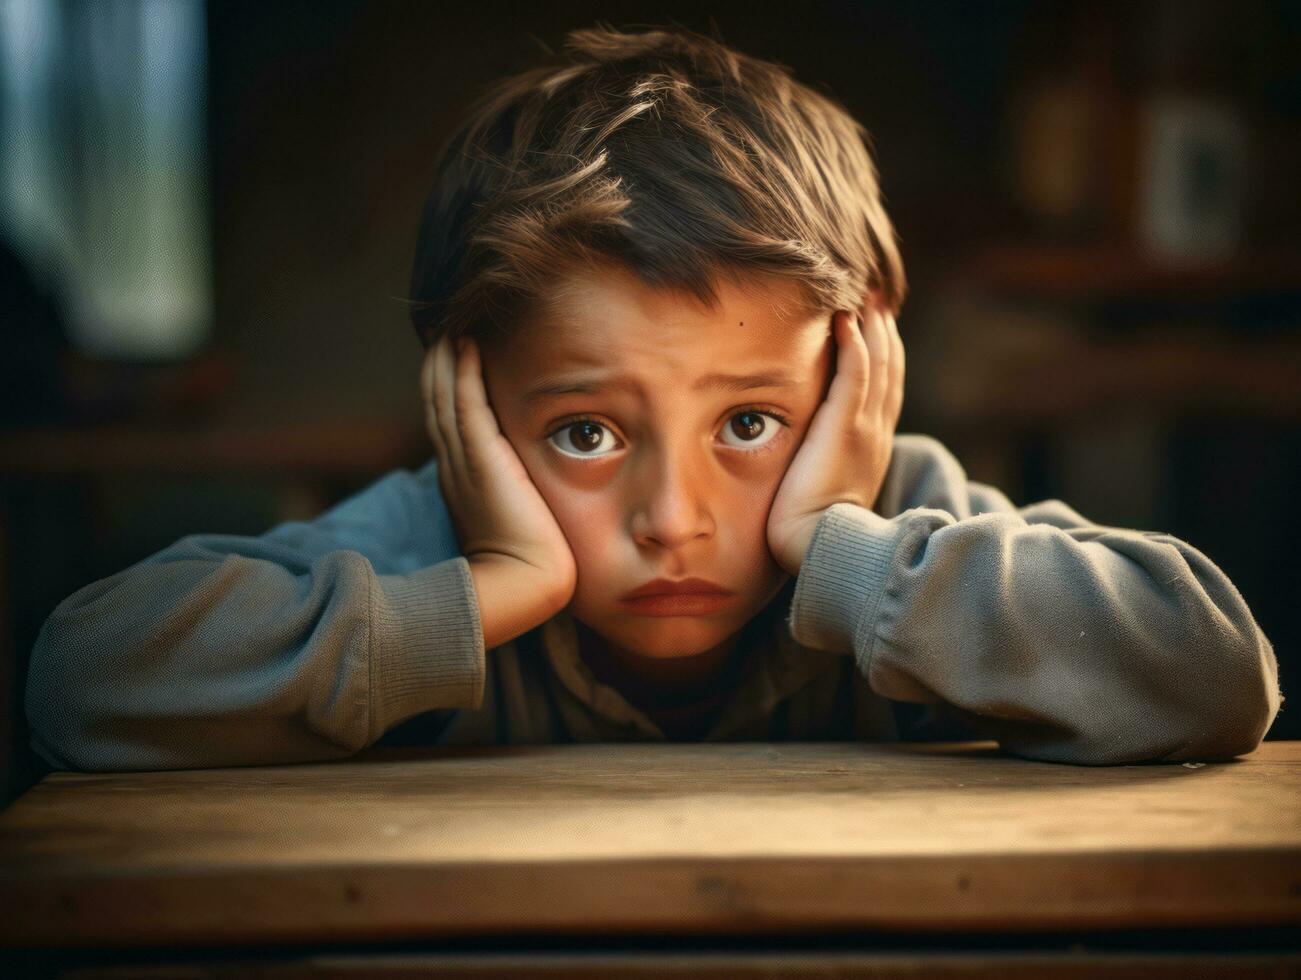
(516, 550)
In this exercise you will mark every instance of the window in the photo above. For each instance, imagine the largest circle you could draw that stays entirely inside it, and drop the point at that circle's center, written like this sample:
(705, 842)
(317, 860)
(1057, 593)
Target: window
(103, 169)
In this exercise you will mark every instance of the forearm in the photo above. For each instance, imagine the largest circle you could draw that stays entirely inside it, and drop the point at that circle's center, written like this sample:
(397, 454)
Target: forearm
(1088, 644)
(206, 655)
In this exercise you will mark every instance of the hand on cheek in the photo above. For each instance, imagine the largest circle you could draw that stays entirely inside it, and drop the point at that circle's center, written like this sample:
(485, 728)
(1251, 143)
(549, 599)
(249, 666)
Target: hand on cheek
(847, 448)
(499, 515)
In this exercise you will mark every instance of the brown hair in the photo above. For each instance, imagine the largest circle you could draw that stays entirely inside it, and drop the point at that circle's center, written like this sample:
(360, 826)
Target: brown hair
(665, 150)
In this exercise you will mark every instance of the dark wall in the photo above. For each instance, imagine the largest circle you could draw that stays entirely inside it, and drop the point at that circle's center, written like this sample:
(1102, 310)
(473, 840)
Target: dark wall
(325, 118)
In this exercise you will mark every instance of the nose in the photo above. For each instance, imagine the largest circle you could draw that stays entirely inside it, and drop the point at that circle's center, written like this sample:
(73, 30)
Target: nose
(672, 500)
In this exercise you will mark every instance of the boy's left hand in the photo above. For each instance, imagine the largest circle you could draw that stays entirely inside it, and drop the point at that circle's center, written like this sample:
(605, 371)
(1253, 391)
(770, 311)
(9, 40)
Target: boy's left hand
(847, 448)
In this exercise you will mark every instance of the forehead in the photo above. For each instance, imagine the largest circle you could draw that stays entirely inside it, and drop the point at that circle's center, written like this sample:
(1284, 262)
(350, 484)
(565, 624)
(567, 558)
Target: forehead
(604, 314)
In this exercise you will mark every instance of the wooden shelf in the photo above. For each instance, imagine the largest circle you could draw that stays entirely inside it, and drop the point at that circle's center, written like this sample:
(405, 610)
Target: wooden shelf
(1075, 272)
(1159, 375)
(343, 448)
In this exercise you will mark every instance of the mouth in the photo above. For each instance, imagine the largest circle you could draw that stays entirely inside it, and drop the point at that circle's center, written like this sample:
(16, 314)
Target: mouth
(669, 587)
(681, 603)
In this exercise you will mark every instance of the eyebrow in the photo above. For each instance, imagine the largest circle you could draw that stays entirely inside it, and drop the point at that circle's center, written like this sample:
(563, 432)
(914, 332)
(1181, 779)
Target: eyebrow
(591, 384)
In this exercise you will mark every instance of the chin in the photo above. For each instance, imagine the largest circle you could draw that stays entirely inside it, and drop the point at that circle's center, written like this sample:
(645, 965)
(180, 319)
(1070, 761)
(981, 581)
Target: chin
(665, 638)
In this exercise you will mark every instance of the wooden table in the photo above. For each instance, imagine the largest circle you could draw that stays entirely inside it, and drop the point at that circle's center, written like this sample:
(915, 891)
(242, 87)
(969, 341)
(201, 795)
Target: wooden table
(550, 856)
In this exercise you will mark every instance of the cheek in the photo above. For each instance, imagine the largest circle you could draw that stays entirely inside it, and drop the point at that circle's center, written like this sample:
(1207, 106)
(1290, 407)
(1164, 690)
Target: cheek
(587, 517)
(752, 487)
(593, 529)
(749, 506)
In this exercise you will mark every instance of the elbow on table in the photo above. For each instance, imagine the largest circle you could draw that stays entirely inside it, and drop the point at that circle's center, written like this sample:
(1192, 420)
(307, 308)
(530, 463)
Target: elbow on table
(1261, 700)
(1239, 705)
(1211, 710)
(61, 681)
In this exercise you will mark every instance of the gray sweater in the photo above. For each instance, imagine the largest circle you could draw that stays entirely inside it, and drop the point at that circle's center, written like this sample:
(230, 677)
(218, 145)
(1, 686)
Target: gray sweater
(1064, 640)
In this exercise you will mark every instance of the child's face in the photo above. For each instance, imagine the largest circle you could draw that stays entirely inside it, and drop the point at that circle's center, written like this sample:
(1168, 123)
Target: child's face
(673, 479)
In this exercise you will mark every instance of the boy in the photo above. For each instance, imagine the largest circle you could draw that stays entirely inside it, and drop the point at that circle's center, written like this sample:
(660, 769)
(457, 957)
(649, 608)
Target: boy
(657, 292)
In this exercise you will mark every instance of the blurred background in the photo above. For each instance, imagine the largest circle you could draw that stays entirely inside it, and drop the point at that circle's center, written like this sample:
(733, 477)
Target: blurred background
(207, 212)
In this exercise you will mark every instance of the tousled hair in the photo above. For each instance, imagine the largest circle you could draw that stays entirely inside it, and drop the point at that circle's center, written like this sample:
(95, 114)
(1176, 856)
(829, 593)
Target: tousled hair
(666, 151)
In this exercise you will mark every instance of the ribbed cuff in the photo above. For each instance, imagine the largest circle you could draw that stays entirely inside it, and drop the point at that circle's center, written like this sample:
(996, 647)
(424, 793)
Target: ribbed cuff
(426, 643)
(842, 577)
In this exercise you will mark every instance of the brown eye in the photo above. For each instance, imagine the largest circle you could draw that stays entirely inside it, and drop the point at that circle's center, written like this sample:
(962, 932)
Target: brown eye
(585, 436)
(582, 438)
(748, 425)
(752, 430)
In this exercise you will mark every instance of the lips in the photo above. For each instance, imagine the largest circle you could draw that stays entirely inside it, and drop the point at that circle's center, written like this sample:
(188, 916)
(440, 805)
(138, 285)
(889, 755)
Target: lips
(670, 587)
(682, 604)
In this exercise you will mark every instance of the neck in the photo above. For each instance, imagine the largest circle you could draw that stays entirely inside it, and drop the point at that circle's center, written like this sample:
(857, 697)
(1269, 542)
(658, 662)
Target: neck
(658, 680)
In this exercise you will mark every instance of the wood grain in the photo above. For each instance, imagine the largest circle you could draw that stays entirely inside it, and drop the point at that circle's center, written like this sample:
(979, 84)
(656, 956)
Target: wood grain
(739, 838)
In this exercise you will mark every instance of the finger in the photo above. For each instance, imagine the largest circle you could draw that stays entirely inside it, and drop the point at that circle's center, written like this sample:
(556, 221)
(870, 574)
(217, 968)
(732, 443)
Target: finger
(474, 415)
(897, 363)
(876, 337)
(427, 385)
(445, 405)
(849, 386)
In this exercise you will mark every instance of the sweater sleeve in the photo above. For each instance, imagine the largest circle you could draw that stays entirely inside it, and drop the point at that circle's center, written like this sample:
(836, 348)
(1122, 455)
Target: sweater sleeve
(1064, 640)
(304, 644)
